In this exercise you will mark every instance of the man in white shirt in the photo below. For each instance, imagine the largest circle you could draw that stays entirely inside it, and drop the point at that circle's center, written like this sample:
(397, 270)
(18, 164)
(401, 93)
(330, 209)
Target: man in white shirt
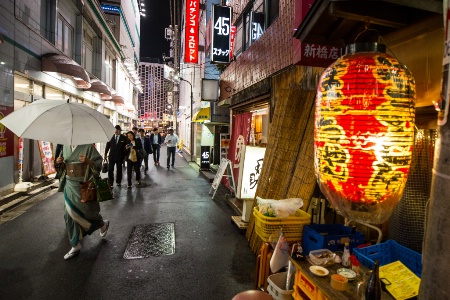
(171, 142)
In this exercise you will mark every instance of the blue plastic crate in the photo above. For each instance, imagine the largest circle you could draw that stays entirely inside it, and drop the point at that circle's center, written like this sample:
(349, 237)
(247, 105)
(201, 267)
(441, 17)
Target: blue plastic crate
(329, 236)
(389, 252)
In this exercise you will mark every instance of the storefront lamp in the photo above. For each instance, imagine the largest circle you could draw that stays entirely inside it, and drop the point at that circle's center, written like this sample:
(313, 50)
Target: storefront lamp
(364, 132)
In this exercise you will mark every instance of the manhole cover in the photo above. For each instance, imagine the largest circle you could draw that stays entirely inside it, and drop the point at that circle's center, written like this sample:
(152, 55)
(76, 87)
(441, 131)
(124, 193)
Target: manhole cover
(151, 240)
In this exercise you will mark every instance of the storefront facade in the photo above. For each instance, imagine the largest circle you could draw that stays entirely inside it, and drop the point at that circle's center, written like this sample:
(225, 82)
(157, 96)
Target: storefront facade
(60, 53)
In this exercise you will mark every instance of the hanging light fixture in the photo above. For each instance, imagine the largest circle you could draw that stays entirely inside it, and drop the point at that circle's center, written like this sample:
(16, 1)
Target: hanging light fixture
(364, 132)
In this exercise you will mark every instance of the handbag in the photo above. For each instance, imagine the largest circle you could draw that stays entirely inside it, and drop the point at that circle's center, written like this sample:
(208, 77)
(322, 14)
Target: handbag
(104, 192)
(142, 153)
(105, 166)
(133, 155)
(88, 190)
(150, 150)
(96, 189)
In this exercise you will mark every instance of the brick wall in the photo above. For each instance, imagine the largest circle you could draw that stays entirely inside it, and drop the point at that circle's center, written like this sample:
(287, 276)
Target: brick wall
(271, 53)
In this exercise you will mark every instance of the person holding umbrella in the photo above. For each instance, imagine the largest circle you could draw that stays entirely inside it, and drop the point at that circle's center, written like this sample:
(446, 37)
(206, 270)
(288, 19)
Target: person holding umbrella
(81, 218)
(79, 125)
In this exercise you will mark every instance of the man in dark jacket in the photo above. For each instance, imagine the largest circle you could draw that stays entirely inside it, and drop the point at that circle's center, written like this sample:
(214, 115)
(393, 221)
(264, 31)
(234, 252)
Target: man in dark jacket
(156, 141)
(116, 148)
(145, 145)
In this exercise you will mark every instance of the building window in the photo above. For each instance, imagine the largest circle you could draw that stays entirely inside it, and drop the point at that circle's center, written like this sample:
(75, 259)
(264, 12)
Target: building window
(238, 42)
(87, 55)
(64, 36)
(273, 11)
(110, 70)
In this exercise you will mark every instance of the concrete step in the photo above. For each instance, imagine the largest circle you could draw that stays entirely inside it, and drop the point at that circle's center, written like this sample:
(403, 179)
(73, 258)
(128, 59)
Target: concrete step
(14, 199)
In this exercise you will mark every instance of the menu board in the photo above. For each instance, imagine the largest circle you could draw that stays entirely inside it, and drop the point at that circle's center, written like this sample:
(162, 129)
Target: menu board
(404, 284)
(47, 157)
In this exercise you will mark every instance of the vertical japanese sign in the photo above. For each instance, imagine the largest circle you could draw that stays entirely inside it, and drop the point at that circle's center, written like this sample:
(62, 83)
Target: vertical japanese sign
(232, 36)
(204, 160)
(251, 166)
(191, 31)
(257, 21)
(47, 158)
(220, 40)
(6, 136)
(240, 136)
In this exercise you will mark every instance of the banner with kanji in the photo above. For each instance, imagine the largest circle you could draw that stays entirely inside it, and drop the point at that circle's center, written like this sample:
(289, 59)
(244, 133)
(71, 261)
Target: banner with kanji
(191, 31)
(47, 158)
(240, 136)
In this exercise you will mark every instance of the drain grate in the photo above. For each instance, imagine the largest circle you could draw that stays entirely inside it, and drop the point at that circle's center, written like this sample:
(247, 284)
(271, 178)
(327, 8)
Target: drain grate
(151, 240)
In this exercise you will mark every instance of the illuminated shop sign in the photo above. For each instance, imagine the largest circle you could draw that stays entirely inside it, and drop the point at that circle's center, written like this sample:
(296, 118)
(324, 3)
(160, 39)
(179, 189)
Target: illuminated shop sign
(251, 166)
(221, 30)
(191, 31)
(257, 29)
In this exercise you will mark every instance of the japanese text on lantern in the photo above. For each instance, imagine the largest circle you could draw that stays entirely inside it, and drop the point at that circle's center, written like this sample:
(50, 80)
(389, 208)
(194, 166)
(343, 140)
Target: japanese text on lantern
(191, 31)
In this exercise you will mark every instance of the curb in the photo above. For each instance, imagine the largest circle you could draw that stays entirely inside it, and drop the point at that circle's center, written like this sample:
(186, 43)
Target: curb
(15, 199)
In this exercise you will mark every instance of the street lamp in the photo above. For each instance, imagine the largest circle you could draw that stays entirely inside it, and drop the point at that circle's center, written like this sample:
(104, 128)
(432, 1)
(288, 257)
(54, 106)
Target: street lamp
(192, 119)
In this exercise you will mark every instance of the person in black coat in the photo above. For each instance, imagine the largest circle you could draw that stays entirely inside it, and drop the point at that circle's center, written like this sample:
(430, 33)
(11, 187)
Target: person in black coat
(156, 141)
(133, 143)
(116, 149)
(145, 141)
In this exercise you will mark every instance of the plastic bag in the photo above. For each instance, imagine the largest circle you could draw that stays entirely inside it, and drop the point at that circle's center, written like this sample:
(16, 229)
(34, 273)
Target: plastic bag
(279, 208)
(280, 256)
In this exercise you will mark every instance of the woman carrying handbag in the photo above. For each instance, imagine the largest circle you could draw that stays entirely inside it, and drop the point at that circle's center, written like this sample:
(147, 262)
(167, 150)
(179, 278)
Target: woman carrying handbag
(134, 159)
(81, 218)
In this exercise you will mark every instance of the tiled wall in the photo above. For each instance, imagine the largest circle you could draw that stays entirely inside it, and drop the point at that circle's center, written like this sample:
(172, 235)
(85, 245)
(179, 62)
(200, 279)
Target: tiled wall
(271, 53)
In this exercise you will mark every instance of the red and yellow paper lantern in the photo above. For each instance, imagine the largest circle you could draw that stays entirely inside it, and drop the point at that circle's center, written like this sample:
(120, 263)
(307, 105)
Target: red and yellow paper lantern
(364, 132)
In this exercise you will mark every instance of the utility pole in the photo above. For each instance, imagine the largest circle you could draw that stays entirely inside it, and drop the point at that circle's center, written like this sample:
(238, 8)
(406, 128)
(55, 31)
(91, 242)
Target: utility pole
(436, 244)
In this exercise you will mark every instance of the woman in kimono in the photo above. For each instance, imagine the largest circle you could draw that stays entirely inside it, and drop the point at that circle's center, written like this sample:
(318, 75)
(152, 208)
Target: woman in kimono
(81, 218)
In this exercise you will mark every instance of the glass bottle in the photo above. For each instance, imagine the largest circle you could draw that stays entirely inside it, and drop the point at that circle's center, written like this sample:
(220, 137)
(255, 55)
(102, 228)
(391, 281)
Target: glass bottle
(346, 256)
(373, 289)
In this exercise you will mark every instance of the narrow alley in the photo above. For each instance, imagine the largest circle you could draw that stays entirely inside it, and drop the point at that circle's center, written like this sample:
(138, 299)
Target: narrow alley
(211, 259)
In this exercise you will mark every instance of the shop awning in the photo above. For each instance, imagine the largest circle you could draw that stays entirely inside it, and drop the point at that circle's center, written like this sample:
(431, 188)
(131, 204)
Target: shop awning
(202, 115)
(101, 88)
(339, 22)
(118, 100)
(52, 62)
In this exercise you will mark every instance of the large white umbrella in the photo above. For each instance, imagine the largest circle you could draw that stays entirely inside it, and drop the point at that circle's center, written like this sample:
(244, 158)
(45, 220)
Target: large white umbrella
(60, 122)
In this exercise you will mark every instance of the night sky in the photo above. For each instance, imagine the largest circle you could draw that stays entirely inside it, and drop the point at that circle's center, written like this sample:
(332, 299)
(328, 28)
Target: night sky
(153, 42)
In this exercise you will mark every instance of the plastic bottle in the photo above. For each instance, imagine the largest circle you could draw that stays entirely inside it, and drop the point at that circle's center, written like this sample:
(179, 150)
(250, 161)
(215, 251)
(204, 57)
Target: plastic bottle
(373, 289)
(346, 256)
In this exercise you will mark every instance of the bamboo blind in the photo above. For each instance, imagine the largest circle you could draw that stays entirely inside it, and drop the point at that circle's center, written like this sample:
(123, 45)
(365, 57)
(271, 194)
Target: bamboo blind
(288, 170)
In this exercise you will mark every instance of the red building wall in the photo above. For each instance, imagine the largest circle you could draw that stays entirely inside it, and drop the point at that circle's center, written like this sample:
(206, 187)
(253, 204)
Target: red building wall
(271, 53)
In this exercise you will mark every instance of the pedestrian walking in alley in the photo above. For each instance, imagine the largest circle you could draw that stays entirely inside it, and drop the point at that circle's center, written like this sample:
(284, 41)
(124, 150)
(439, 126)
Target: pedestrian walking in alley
(81, 218)
(156, 141)
(132, 150)
(171, 142)
(116, 149)
(135, 131)
(147, 149)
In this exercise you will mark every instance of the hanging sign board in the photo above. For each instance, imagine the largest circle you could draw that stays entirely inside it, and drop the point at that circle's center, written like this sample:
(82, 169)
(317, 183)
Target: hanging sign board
(251, 165)
(221, 30)
(225, 170)
(47, 158)
(204, 159)
(191, 31)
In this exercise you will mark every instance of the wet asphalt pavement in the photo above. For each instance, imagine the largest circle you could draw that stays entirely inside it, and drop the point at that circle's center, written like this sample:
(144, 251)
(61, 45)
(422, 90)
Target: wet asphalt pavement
(211, 259)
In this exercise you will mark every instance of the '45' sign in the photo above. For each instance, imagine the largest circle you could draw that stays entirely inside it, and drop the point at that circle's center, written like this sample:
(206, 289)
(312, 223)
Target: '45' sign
(223, 26)
(220, 39)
